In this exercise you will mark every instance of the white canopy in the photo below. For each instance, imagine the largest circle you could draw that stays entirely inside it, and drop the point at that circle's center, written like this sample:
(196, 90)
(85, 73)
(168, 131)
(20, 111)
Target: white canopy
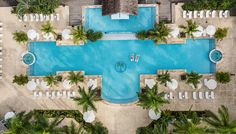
(31, 85)
(48, 36)
(175, 32)
(93, 83)
(199, 32)
(9, 115)
(173, 84)
(150, 82)
(211, 84)
(153, 115)
(89, 116)
(66, 84)
(210, 30)
(66, 34)
(32, 34)
(44, 85)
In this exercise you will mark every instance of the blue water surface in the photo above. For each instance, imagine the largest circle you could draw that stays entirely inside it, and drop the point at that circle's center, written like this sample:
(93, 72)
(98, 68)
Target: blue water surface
(101, 58)
(145, 20)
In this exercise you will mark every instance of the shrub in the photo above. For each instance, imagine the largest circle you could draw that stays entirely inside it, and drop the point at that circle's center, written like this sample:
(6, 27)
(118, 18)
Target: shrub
(223, 77)
(21, 79)
(20, 37)
(93, 36)
(221, 33)
(141, 35)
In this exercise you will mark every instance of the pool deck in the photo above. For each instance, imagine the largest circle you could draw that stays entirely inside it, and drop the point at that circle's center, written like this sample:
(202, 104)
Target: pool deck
(114, 116)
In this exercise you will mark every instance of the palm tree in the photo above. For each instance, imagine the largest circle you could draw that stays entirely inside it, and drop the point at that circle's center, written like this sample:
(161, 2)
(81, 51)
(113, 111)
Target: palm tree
(71, 129)
(75, 78)
(221, 123)
(151, 99)
(193, 78)
(79, 34)
(21, 79)
(87, 99)
(159, 34)
(221, 33)
(51, 80)
(189, 124)
(48, 28)
(190, 28)
(164, 78)
(20, 37)
(97, 128)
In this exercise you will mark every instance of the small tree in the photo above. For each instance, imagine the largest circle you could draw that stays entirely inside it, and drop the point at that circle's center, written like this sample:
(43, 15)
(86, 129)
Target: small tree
(79, 34)
(21, 79)
(48, 28)
(93, 36)
(223, 77)
(151, 99)
(193, 78)
(51, 80)
(142, 35)
(20, 37)
(221, 33)
(75, 77)
(164, 78)
(190, 28)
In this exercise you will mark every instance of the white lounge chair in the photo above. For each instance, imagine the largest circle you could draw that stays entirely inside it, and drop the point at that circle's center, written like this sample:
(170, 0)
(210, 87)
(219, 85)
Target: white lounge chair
(200, 95)
(57, 17)
(207, 95)
(0, 53)
(0, 41)
(53, 94)
(48, 94)
(1, 35)
(1, 28)
(208, 12)
(0, 71)
(201, 14)
(59, 94)
(226, 13)
(73, 93)
(184, 14)
(41, 18)
(213, 14)
(195, 95)
(36, 17)
(47, 18)
(171, 95)
(166, 96)
(40, 94)
(180, 96)
(64, 94)
(190, 14)
(32, 17)
(25, 18)
(0, 77)
(212, 95)
(221, 14)
(52, 17)
(1, 59)
(36, 94)
(186, 95)
(195, 13)
(0, 66)
(69, 94)
(37, 82)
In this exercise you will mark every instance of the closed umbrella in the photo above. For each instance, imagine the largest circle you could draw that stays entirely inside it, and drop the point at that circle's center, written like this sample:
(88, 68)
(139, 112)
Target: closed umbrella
(211, 84)
(199, 32)
(175, 32)
(66, 34)
(9, 115)
(66, 84)
(89, 116)
(172, 85)
(32, 34)
(210, 30)
(31, 85)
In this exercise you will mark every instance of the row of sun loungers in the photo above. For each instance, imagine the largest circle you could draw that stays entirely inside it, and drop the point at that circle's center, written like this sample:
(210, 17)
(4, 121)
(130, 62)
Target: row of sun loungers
(1, 49)
(40, 17)
(205, 14)
(195, 95)
(54, 94)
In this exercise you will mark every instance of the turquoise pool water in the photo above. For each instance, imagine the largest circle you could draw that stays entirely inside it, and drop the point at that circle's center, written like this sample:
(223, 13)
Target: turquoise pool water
(106, 57)
(143, 21)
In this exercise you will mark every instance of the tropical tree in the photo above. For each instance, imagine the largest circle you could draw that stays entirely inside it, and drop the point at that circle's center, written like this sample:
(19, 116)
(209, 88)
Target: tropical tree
(223, 77)
(75, 77)
(20, 37)
(48, 28)
(142, 35)
(93, 36)
(151, 99)
(87, 99)
(21, 79)
(190, 28)
(72, 129)
(221, 33)
(79, 34)
(164, 78)
(221, 123)
(159, 34)
(51, 80)
(96, 128)
(189, 124)
(193, 78)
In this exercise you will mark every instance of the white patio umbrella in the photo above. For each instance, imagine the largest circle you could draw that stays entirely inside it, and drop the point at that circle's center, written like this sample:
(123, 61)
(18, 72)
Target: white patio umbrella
(175, 32)
(9, 115)
(93, 83)
(32, 34)
(89, 116)
(172, 85)
(44, 85)
(210, 30)
(211, 84)
(31, 85)
(66, 84)
(66, 34)
(199, 32)
(153, 115)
